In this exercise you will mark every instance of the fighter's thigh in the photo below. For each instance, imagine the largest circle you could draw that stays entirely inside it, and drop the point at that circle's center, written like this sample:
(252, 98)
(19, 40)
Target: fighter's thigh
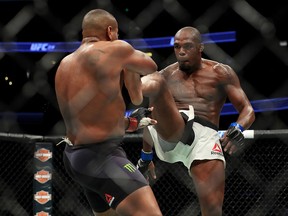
(110, 212)
(208, 177)
(170, 121)
(141, 202)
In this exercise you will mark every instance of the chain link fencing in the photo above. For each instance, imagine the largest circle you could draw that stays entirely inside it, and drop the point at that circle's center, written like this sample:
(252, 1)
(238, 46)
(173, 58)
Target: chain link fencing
(256, 182)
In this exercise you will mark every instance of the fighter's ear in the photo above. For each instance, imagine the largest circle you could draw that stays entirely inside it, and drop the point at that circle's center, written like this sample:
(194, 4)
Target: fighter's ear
(201, 47)
(109, 33)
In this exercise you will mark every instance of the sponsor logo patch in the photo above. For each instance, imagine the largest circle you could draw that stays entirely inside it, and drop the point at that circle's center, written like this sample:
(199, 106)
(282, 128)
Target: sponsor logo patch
(217, 149)
(42, 213)
(42, 176)
(109, 199)
(43, 154)
(131, 168)
(42, 197)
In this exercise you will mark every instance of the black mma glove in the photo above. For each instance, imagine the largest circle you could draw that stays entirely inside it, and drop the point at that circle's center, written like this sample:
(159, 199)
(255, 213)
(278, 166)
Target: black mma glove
(138, 119)
(234, 133)
(143, 163)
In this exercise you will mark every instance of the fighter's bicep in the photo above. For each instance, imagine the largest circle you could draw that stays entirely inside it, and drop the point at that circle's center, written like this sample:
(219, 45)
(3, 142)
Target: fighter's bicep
(141, 63)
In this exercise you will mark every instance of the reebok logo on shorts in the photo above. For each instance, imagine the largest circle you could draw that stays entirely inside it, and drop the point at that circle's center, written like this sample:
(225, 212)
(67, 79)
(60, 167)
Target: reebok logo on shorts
(217, 149)
(109, 199)
(131, 168)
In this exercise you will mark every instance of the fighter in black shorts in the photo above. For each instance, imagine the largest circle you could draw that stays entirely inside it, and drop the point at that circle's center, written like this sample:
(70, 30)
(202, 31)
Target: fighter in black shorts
(109, 176)
(88, 86)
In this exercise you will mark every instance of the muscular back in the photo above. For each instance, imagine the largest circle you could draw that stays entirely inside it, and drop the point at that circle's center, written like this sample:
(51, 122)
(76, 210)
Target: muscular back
(206, 88)
(88, 87)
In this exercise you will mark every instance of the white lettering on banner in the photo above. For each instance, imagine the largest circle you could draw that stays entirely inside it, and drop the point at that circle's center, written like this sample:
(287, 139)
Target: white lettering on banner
(41, 47)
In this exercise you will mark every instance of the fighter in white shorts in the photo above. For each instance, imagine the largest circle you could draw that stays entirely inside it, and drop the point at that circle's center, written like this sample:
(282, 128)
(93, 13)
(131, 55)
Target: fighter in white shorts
(200, 141)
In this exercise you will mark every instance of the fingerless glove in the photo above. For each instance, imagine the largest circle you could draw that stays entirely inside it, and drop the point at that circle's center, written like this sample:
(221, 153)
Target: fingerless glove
(234, 133)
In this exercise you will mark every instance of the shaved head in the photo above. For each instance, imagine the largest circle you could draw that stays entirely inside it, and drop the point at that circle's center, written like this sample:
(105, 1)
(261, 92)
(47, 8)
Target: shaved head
(96, 22)
(192, 32)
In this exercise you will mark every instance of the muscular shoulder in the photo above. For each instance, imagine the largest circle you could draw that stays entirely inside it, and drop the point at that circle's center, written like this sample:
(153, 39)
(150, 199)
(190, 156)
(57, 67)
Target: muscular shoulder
(169, 69)
(123, 47)
(115, 48)
(122, 44)
(66, 61)
(223, 71)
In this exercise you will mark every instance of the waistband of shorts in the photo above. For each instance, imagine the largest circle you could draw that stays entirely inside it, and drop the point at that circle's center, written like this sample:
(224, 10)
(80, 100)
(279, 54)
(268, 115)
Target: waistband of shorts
(205, 123)
(109, 143)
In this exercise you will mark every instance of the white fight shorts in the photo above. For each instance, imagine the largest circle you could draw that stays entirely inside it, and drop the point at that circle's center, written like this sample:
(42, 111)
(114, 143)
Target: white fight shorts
(206, 144)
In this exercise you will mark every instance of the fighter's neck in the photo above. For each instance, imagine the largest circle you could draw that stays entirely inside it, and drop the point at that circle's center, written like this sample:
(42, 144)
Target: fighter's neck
(90, 39)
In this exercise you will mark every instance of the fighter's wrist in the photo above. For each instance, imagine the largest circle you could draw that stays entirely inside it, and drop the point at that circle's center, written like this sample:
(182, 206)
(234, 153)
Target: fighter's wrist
(132, 124)
(146, 156)
(235, 124)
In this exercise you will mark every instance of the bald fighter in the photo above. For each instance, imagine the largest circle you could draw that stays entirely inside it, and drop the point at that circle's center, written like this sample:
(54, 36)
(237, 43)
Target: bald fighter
(88, 86)
(187, 128)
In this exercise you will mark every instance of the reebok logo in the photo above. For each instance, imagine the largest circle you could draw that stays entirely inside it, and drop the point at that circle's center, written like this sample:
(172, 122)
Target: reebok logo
(109, 199)
(217, 149)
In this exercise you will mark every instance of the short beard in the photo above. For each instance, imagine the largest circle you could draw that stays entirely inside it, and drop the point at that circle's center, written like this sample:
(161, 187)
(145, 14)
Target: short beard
(186, 68)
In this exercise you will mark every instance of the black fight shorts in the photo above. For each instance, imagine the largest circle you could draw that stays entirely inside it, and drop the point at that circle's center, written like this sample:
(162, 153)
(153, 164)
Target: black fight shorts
(104, 172)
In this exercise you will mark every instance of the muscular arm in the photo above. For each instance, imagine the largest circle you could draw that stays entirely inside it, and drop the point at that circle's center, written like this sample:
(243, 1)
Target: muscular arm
(233, 138)
(140, 63)
(239, 99)
(135, 64)
(135, 60)
(133, 84)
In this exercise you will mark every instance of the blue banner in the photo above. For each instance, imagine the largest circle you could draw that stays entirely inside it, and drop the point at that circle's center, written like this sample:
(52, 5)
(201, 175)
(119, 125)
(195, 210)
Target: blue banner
(143, 43)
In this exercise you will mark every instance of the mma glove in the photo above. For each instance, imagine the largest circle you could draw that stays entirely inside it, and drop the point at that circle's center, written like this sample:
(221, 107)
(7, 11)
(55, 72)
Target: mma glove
(143, 163)
(138, 119)
(234, 133)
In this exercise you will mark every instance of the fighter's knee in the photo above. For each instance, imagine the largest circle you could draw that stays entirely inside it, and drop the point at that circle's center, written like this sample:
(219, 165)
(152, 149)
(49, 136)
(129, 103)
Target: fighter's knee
(212, 208)
(153, 84)
(215, 211)
(158, 83)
